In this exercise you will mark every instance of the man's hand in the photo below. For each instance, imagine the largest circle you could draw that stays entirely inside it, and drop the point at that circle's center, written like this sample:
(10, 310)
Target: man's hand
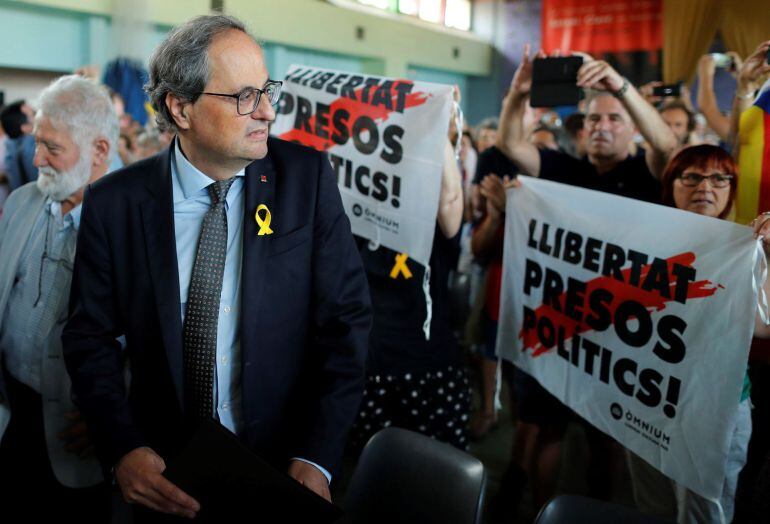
(311, 477)
(761, 226)
(753, 69)
(76, 436)
(521, 85)
(598, 74)
(139, 475)
(647, 92)
(737, 63)
(492, 189)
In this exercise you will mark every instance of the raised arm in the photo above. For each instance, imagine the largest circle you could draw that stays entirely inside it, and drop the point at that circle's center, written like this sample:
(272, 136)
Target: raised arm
(598, 74)
(511, 137)
(707, 99)
(485, 239)
(450, 206)
(749, 76)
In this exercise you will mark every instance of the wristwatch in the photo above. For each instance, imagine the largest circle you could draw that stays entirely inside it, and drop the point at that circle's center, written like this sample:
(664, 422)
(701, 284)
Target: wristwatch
(622, 91)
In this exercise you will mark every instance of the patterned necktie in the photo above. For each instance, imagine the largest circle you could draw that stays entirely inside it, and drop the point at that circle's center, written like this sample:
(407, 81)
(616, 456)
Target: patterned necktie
(202, 313)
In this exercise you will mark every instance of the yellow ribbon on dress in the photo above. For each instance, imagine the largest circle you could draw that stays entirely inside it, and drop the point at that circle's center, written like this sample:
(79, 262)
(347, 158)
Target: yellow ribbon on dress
(264, 224)
(401, 267)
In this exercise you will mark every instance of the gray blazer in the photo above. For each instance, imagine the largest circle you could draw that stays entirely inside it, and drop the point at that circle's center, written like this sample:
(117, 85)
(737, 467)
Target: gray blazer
(20, 212)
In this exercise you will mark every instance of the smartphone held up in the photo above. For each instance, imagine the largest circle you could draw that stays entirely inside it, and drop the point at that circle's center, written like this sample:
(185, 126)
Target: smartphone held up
(666, 90)
(723, 61)
(554, 81)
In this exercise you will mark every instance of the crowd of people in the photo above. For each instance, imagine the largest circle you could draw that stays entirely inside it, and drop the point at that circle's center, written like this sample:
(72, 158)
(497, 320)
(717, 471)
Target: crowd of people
(17, 141)
(623, 141)
(136, 304)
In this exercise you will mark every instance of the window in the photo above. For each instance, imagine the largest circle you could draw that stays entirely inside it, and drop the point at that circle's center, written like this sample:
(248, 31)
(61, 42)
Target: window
(381, 4)
(458, 14)
(451, 13)
(409, 7)
(432, 11)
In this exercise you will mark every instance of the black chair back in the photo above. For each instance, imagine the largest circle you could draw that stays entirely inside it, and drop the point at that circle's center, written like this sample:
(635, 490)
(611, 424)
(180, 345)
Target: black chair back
(406, 477)
(573, 509)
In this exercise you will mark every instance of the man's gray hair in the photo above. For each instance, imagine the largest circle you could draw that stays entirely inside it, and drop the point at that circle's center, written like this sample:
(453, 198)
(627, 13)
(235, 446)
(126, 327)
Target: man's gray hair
(84, 107)
(488, 123)
(593, 94)
(180, 65)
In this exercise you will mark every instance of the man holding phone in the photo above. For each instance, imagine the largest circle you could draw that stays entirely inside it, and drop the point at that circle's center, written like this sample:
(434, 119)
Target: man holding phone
(613, 115)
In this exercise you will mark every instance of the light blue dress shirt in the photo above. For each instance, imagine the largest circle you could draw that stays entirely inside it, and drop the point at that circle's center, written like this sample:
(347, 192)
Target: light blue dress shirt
(37, 306)
(191, 202)
(116, 163)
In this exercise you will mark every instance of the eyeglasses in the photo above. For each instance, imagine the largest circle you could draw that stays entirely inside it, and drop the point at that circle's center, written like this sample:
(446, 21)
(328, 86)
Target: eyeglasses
(66, 264)
(717, 180)
(248, 99)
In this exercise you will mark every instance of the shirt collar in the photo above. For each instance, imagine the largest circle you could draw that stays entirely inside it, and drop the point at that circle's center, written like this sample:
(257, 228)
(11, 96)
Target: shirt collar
(72, 218)
(191, 179)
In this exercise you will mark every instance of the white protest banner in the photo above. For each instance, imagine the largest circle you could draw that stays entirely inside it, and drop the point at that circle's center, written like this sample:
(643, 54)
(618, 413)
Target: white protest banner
(385, 139)
(637, 316)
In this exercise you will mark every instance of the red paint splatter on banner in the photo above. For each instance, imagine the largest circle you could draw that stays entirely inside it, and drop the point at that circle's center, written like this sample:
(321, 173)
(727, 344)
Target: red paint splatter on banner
(356, 109)
(621, 291)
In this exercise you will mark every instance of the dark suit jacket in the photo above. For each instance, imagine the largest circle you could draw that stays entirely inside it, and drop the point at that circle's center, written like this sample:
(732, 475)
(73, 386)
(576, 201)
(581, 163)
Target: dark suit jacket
(304, 323)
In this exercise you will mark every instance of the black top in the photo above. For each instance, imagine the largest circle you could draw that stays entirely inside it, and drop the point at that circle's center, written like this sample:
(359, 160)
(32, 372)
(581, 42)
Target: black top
(631, 178)
(493, 160)
(397, 343)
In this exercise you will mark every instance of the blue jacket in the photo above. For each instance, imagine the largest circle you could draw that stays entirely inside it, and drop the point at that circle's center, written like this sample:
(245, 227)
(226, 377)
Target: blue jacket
(19, 161)
(304, 327)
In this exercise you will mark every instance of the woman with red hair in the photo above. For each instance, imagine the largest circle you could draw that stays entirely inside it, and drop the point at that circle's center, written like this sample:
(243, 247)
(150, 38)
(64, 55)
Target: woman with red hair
(702, 179)
(684, 177)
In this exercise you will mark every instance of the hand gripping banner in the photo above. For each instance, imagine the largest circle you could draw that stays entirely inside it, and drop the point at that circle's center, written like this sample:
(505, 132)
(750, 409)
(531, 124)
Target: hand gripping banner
(385, 138)
(637, 316)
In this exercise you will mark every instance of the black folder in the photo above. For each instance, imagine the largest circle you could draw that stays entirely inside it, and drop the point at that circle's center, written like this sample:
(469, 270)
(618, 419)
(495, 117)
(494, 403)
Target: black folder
(234, 484)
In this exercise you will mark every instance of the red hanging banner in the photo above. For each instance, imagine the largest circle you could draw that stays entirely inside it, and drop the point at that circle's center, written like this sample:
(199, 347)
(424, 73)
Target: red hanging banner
(596, 26)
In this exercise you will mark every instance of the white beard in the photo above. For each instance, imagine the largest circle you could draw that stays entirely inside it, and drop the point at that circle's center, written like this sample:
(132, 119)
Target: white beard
(61, 184)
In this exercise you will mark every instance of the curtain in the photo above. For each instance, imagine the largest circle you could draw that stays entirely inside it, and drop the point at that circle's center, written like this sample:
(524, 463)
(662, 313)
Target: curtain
(745, 25)
(689, 27)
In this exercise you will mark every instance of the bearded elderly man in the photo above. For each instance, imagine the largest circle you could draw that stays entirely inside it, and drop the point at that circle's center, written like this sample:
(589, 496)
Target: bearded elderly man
(47, 469)
(228, 264)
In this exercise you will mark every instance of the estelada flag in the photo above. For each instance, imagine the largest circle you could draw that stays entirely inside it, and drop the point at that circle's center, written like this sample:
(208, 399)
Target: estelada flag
(754, 160)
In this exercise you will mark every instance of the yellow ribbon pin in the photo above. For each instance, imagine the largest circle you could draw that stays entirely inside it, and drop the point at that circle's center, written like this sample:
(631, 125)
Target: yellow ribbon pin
(264, 224)
(401, 267)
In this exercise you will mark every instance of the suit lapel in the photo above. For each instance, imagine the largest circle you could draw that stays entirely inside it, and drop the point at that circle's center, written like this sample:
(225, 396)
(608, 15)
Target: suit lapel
(260, 189)
(158, 222)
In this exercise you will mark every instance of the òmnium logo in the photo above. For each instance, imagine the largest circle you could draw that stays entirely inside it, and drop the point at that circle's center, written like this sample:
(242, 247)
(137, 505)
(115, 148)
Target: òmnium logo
(642, 427)
(373, 217)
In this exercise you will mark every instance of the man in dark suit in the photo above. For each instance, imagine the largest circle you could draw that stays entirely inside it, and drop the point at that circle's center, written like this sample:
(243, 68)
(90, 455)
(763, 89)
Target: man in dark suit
(228, 264)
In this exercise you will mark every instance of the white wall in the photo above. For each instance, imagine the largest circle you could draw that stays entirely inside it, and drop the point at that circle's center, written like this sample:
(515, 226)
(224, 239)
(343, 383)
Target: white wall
(21, 83)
